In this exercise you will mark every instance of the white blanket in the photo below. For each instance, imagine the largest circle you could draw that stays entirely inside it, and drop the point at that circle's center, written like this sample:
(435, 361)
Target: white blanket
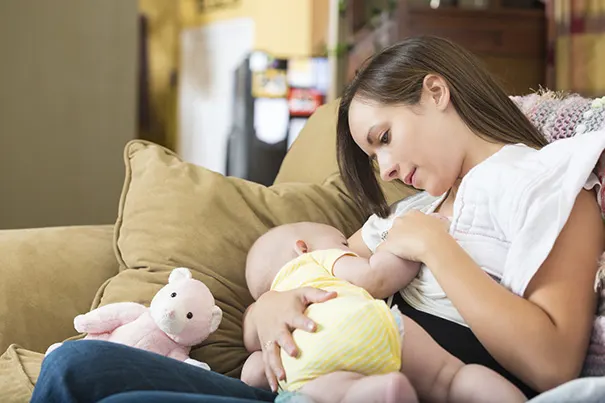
(583, 390)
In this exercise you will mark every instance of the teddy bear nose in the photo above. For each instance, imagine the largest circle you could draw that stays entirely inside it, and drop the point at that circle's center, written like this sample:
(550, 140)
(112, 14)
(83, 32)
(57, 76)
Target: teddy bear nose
(171, 314)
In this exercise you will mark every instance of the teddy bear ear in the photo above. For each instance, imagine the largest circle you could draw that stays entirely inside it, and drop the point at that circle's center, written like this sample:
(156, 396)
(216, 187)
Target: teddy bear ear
(180, 273)
(217, 317)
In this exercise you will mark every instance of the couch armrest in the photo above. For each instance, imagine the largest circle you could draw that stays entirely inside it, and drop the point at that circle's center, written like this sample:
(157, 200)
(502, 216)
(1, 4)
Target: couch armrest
(47, 277)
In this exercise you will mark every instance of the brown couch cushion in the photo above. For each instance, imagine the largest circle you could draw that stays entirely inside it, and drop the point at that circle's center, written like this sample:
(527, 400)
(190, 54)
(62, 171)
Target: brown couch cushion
(173, 214)
(312, 157)
(47, 277)
(19, 371)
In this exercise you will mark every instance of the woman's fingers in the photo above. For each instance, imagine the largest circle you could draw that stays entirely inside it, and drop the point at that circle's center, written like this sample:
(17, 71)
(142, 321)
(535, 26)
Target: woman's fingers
(285, 341)
(302, 322)
(288, 315)
(268, 369)
(310, 295)
(275, 365)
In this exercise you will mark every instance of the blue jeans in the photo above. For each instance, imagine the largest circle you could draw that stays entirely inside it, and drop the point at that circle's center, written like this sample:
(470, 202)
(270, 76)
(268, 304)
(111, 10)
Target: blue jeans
(91, 371)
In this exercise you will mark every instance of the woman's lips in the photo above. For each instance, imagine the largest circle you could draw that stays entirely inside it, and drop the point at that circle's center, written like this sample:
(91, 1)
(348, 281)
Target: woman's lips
(409, 179)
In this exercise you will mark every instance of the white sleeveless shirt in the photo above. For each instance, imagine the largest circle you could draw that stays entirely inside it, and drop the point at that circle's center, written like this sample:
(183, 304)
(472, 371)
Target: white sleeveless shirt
(508, 212)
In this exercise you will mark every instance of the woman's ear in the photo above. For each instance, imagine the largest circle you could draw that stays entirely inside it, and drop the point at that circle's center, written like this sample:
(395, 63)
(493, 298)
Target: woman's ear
(437, 90)
(300, 247)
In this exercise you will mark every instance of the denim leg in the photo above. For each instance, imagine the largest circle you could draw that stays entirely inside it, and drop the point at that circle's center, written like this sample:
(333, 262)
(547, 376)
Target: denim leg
(87, 371)
(170, 397)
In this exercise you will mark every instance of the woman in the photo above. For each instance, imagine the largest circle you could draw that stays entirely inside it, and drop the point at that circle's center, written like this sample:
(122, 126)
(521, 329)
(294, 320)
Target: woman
(426, 113)
(454, 132)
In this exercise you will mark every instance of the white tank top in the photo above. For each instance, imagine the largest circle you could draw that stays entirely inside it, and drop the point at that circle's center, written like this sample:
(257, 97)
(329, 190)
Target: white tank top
(508, 212)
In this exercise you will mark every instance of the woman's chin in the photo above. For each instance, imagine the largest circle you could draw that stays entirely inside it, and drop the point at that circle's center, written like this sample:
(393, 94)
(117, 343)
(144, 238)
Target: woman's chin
(435, 191)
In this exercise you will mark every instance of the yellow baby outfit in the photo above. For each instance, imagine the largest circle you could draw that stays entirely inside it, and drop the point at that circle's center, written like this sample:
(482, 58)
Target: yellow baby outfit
(355, 332)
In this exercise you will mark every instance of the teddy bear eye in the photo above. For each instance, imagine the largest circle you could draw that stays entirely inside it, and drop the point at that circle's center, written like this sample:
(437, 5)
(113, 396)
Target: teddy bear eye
(189, 315)
(173, 294)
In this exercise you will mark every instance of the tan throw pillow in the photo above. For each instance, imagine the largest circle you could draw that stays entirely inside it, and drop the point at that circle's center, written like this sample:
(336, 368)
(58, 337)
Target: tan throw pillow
(174, 213)
(312, 157)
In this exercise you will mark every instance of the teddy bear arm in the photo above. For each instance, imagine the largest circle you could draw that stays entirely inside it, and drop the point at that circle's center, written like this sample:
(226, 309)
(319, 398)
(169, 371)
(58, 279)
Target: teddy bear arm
(108, 317)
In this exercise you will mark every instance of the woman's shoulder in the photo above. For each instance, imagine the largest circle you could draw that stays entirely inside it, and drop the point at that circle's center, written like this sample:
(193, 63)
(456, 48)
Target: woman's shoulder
(496, 184)
(519, 182)
(528, 196)
(520, 172)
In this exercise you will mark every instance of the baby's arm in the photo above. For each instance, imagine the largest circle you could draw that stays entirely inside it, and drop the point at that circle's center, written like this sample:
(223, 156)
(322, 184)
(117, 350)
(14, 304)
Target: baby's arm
(382, 275)
(251, 341)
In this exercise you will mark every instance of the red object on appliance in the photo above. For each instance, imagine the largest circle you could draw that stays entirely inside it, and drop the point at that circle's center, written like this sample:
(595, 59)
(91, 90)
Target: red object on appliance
(303, 102)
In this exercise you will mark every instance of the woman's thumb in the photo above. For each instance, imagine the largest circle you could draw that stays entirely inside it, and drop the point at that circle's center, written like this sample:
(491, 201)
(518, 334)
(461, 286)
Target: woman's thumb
(312, 295)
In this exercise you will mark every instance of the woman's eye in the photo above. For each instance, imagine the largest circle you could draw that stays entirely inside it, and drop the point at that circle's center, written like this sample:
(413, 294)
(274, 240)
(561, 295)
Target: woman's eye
(384, 139)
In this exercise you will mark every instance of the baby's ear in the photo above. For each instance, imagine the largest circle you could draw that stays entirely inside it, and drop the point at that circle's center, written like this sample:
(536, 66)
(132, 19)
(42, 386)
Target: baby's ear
(180, 273)
(301, 247)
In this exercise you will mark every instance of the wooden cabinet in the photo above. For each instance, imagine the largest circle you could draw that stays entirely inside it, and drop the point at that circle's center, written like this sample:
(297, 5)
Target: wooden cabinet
(511, 42)
(509, 39)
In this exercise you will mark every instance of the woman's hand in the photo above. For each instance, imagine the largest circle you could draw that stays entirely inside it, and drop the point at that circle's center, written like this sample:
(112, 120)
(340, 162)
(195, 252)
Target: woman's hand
(276, 315)
(414, 233)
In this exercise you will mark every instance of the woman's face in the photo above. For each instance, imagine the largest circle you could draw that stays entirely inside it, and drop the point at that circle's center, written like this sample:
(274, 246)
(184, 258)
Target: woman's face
(420, 145)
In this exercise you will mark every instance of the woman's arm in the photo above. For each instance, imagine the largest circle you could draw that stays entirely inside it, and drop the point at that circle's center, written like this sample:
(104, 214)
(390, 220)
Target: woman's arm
(543, 337)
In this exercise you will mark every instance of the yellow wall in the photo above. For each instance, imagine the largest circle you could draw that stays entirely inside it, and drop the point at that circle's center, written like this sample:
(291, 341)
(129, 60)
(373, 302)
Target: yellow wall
(320, 18)
(164, 26)
(288, 35)
(67, 108)
(191, 16)
(284, 28)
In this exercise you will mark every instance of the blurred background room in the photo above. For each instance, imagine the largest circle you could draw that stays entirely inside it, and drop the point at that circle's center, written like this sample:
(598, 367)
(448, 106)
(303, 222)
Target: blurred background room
(228, 84)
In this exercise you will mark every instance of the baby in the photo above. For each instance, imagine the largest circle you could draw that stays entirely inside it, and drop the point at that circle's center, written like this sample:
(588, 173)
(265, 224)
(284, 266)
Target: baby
(355, 355)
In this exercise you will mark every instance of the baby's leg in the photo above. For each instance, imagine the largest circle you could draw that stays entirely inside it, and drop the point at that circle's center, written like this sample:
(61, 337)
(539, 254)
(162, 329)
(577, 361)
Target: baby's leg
(476, 383)
(438, 376)
(351, 387)
(253, 371)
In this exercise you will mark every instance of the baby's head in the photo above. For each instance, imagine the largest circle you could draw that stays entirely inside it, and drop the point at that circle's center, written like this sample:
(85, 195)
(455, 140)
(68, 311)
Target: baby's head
(278, 246)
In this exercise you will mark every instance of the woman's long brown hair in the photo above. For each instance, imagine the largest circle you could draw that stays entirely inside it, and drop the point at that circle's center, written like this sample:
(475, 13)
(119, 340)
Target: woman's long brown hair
(394, 76)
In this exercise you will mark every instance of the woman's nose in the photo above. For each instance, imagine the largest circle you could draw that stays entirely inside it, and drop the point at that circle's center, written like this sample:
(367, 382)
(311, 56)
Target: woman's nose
(389, 173)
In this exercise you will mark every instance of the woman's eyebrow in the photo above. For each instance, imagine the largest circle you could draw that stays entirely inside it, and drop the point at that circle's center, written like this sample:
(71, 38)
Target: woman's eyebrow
(369, 136)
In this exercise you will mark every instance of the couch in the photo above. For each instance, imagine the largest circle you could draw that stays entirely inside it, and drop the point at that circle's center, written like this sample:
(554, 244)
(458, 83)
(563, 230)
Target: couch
(170, 214)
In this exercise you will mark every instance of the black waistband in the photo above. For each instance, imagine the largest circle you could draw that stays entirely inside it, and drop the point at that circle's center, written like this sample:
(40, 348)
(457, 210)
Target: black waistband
(459, 341)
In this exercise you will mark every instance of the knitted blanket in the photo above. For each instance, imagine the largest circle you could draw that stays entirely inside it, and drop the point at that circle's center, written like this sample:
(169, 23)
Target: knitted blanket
(560, 116)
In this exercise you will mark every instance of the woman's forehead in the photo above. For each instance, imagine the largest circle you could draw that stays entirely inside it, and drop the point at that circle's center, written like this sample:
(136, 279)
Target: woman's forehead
(363, 115)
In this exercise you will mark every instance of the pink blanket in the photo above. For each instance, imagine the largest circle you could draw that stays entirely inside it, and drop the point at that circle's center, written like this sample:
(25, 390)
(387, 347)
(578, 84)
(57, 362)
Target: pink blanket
(560, 116)
(594, 364)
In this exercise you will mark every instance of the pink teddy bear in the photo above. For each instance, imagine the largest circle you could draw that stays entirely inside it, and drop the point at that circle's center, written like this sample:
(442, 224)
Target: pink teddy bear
(181, 315)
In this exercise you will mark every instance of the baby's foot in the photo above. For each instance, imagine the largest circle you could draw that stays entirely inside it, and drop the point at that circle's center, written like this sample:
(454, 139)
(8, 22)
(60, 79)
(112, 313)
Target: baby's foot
(399, 389)
(388, 388)
(293, 397)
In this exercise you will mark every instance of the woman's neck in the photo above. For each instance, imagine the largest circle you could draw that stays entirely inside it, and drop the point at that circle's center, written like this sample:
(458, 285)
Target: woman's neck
(478, 151)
